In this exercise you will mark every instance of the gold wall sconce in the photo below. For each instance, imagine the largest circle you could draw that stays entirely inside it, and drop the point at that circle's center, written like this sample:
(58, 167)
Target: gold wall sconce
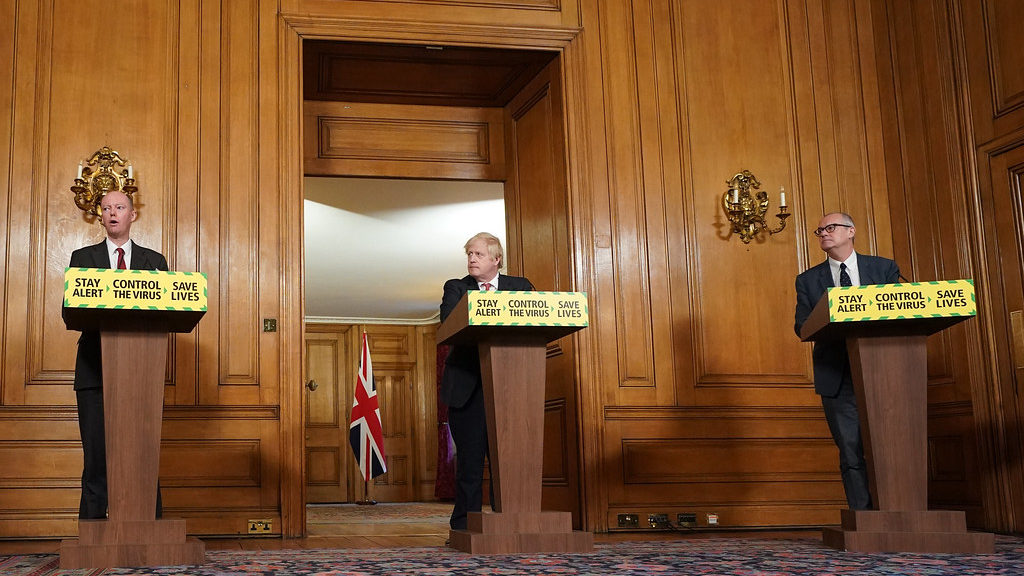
(746, 204)
(105, 171)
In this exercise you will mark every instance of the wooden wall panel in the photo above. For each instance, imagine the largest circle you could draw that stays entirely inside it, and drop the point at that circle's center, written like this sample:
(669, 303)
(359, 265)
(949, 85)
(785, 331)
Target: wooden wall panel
(725, 461)
(239, 204)
(8, 47)
(708, 319)
(996, 400)
(995, 65)
(220, 467)
(733, 362)
(359, 139)
(624, 40)
(921, 85)
(538, 248)
(185, 110)
(75, 132)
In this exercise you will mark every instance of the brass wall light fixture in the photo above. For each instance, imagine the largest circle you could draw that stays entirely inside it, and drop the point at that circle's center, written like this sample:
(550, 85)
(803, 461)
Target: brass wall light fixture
(746, 204)
(104, 171)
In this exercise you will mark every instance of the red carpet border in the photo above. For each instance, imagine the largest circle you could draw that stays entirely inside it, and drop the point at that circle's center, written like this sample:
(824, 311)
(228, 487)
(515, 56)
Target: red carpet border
(718, 556)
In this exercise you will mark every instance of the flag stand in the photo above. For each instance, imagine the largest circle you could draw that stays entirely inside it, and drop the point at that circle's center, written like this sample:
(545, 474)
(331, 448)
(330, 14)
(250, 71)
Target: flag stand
(366, 501)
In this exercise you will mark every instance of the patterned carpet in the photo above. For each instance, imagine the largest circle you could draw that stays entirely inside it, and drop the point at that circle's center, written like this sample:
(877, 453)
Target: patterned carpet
(720, 556)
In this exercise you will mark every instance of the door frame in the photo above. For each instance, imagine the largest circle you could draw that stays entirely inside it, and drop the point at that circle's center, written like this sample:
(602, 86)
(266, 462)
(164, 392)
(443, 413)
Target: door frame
(567, 41)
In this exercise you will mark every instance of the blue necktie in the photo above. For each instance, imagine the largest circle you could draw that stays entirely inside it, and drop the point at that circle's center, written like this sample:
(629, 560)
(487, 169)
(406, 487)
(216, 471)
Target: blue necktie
(844, 277)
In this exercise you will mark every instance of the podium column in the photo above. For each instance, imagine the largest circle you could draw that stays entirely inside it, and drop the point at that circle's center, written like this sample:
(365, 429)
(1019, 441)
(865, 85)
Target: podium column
(133, 372)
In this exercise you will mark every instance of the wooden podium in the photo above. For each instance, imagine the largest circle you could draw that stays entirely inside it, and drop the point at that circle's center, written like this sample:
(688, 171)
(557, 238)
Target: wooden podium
(134, 345)
(888, 359)
(512, 362)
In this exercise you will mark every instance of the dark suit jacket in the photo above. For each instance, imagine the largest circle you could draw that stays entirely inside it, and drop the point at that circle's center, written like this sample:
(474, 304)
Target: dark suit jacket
(462, 367)
(830, 357)
(88, 367)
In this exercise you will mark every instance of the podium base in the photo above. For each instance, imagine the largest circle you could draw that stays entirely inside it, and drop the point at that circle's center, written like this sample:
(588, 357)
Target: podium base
(112, 544)
(521, 533)
(937, 531)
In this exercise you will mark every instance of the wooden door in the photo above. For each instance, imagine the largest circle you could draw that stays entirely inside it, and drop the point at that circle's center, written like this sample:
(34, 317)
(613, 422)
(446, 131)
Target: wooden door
(394, 392)
(537, 206)
(329, 383)
(1005, 250)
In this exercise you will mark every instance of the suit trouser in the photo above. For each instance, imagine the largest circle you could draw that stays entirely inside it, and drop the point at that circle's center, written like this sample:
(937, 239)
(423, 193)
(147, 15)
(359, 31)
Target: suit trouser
(844, 423)
(468, 426)
(94, 448)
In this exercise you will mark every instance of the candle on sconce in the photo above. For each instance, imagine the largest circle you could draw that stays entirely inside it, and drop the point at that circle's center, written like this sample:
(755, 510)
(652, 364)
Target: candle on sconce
(129, 170)
(782, 195)
(79, 177)
(735, 196)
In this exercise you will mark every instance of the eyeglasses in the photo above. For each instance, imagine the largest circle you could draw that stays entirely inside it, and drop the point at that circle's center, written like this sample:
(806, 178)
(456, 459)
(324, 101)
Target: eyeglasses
(830, 229)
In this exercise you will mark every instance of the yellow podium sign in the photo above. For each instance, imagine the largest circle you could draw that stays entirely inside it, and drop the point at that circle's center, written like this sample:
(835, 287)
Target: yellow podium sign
(520, 308)
(106, 288)
(938, 299)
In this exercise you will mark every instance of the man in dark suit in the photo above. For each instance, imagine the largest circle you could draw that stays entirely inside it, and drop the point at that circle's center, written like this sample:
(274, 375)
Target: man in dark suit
(462, 383)
(833, 380)
(116, 251)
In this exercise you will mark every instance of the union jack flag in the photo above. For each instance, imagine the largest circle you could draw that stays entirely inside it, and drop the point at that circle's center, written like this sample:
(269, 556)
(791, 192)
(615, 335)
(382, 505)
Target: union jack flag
(364, 431)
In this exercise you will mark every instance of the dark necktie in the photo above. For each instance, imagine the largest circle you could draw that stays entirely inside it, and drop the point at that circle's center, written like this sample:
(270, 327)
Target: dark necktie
(120, 259)
(844, 277)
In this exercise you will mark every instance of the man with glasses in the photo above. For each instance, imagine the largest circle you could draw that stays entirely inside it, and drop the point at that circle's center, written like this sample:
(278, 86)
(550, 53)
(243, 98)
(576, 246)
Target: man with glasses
(833, 380)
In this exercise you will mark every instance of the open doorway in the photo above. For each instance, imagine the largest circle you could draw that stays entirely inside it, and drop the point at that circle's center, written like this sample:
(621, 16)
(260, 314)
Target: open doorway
(455, 114)
(377, 252)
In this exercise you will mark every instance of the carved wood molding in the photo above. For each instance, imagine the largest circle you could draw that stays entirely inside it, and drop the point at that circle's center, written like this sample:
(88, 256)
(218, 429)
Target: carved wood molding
(430, 32)
(639, 455)
(236, 462)
(710, 413)
(510, 4)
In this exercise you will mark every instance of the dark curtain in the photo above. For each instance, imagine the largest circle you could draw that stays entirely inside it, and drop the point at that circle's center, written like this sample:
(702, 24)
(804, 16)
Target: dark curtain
(444, 485)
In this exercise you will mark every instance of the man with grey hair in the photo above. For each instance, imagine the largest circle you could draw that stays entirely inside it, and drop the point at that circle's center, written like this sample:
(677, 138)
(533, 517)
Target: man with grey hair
(833, 380)
(462, 383)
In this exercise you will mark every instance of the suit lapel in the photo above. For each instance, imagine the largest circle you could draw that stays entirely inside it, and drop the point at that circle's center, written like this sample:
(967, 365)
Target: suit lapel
(140, 259)
(98, 253)
(868, 271)
(824, 277)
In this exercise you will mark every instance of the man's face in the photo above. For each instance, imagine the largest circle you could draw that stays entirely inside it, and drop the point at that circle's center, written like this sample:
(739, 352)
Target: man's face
(117, 215)
(840, 239)
(481, 265)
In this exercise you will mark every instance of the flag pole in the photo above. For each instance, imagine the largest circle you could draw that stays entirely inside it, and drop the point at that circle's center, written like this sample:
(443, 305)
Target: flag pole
(366, 495)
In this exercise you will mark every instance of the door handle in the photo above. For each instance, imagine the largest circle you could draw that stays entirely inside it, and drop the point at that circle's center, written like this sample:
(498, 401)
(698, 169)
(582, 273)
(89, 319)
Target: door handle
(312, 385)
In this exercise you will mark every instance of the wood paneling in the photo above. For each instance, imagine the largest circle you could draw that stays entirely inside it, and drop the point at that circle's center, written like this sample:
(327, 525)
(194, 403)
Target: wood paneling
(523, 21)
(995, 65)
(185, 111)
(922, 88)
(539, 249)
(404, 392)
(875, 107)
(427, 75)
(359, 139)
(329, 369)
(998, 419)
